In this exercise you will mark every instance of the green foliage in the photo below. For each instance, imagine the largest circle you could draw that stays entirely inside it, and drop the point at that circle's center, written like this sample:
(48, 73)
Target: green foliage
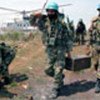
(14, 84)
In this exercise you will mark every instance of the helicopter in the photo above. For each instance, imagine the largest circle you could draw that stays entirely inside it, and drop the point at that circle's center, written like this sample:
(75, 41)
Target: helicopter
(24, 24)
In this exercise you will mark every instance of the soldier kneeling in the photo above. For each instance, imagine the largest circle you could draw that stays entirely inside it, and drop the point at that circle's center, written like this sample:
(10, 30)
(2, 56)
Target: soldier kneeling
(7, 54)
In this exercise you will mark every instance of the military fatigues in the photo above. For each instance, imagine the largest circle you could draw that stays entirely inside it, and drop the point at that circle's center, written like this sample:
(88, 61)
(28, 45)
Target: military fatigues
(80, 33)
(7, 54)
(56, 38)
(95, 26)
(95, 30)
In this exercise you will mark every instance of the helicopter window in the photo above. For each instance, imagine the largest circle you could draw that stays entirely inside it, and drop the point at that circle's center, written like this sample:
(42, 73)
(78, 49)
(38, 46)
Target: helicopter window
(9, 24)
(24, 25)
(17, 25)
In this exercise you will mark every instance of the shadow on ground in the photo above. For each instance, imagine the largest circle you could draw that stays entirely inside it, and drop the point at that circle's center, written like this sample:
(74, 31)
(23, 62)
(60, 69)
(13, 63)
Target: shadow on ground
(78, 86)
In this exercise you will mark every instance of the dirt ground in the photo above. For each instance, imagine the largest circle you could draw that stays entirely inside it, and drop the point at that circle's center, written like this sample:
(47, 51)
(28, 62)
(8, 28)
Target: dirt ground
(31, 83)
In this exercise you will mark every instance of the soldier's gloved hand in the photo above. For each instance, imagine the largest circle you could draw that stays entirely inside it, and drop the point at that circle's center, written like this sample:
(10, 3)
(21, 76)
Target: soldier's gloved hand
(34, 18)
(37, 14)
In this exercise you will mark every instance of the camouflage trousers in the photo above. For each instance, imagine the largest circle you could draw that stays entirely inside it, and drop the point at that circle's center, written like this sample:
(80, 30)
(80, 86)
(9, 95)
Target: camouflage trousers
(56, 61)
(97, 68)
(97, 62)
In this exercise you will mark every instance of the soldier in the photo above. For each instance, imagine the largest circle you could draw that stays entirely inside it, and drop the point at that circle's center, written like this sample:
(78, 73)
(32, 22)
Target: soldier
(95, 26)
(80, 32)
(56, 39)
(70, 25)
(95, 29)
(7, 54)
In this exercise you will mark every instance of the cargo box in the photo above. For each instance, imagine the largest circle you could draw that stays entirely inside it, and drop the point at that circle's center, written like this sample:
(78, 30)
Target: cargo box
(77, 63)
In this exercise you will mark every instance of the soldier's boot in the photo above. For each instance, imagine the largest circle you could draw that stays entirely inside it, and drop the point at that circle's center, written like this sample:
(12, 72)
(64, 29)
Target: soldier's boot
(56, 91)
(54, 94)
(58, 84)
(50, 71)
(97, 86)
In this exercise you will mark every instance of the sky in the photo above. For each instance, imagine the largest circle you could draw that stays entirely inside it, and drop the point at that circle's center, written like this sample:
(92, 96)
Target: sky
(84, 9)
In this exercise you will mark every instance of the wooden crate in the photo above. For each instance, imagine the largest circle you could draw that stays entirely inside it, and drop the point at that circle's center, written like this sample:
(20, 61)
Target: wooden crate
(77, 63)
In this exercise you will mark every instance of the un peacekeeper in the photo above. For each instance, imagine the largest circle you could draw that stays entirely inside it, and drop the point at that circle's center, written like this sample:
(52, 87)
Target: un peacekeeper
(56, 39)
(95, 25)
(7, 54)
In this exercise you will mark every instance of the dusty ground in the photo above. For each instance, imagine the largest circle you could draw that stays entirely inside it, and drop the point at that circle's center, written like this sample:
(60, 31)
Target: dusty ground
(27, 70)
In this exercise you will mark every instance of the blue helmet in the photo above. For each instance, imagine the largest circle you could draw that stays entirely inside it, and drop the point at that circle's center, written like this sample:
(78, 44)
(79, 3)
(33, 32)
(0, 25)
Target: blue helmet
(52, 5)
(98, 7)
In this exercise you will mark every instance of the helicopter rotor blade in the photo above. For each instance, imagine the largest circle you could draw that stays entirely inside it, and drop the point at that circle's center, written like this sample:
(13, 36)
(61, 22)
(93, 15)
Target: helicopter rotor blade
(31, 11)
(65, 5)
(26, 12)
(41, 9)
(16, 11)
(9, 9)
(2, 14)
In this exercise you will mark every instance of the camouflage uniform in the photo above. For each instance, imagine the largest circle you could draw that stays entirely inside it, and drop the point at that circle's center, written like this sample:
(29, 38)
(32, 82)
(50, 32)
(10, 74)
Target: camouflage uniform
(56, 38)
(94, 30)
(7, 54)
(95, 27)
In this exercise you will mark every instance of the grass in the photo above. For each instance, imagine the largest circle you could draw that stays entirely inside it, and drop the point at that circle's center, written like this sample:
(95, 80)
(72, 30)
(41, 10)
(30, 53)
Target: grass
(14, 84)
(16, 36)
